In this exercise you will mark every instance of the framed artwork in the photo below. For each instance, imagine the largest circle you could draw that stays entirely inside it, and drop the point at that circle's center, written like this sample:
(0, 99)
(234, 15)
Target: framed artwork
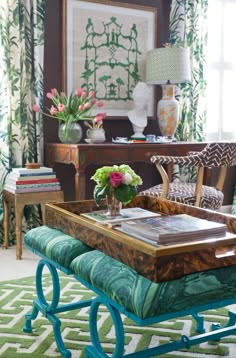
(104, 49)
(233, 209)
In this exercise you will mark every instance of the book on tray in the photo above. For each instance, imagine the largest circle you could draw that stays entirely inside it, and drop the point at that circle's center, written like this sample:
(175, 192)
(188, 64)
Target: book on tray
(126, 214)
(172, 229)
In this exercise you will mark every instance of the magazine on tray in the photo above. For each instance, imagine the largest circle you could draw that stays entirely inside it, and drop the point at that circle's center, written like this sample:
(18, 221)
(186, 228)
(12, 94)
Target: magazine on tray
(172, 229)
(126, 214)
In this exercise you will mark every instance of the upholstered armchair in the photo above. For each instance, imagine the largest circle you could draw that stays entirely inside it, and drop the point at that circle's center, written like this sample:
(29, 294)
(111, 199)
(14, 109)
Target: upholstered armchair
(220, 155)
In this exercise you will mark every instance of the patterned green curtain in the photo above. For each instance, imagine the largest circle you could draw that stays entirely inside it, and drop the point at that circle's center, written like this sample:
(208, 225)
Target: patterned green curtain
(21, 85)
(188, 28)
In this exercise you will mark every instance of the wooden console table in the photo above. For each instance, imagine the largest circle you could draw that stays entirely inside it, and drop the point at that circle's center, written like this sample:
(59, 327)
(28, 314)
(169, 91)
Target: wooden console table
(82, 155)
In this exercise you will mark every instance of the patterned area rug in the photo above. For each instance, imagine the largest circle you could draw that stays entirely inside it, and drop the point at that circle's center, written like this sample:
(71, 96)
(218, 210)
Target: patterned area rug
(16, 300)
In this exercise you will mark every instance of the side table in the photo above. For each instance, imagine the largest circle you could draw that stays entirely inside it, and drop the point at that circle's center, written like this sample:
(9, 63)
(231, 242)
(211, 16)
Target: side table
(18, 201)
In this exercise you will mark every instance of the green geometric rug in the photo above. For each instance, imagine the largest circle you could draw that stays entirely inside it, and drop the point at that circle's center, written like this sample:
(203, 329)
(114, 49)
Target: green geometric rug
(16, 300)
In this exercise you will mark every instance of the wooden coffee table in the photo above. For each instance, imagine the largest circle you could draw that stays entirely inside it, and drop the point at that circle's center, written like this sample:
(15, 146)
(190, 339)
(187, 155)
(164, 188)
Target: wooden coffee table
(155, 263)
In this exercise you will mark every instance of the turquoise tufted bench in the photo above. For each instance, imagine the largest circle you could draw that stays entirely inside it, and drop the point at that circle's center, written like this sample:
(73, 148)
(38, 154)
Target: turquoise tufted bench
(122, 290)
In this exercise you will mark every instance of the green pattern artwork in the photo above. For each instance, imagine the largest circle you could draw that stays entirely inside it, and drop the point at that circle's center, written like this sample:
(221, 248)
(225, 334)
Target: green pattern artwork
(21, 85)
(111, 51)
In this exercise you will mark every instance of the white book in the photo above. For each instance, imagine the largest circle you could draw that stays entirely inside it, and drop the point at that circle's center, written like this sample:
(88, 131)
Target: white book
(34, 171)
(30, 176)
(30, 190)
(38, 185)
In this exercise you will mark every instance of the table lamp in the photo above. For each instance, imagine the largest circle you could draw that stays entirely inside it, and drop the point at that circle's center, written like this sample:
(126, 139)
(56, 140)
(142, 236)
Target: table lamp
(168, 66)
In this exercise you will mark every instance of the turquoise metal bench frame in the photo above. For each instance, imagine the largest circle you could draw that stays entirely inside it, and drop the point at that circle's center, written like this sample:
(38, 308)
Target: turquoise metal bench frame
(50, 310)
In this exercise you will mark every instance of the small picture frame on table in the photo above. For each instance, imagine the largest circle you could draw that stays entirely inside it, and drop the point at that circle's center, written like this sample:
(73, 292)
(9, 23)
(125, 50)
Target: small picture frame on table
(233, 209)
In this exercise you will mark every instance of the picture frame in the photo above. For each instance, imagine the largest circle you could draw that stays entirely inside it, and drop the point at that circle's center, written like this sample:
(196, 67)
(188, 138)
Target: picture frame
(233, 208)
(104, 49)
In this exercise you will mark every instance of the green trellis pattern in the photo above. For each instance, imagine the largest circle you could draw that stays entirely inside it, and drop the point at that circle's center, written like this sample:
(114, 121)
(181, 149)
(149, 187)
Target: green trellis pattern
(188, 28)
(21, 85)
(119, 84)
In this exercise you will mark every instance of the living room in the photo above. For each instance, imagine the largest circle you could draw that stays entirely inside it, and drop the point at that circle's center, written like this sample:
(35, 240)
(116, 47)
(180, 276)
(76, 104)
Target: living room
(29, 137)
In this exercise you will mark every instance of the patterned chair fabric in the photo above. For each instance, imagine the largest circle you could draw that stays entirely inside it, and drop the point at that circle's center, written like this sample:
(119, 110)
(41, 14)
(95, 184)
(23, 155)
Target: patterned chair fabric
(221, 154)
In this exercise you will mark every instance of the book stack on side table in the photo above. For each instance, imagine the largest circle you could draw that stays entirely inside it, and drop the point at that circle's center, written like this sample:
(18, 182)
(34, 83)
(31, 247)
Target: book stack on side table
(23, 180)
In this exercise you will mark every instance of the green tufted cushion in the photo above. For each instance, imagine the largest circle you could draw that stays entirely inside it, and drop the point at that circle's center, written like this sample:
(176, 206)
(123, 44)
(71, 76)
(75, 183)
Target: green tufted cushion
(55, 245)
(147, 299)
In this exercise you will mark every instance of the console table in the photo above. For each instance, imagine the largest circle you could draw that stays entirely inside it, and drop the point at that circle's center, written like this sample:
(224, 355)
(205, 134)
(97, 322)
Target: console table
(82, 155)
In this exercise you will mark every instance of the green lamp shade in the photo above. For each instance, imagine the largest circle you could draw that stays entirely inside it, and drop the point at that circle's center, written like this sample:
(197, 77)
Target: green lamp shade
(167, 64)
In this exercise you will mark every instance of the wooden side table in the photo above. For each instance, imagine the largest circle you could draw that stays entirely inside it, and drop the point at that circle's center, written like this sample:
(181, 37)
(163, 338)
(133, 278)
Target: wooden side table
(18, 201)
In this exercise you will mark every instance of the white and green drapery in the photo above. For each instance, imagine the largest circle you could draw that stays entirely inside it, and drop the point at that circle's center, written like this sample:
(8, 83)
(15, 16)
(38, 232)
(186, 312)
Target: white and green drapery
(188, 28)
(21, 85)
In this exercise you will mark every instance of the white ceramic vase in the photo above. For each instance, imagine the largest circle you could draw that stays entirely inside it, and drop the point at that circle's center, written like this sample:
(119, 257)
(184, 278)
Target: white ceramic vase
(96, 135)
(168, 111)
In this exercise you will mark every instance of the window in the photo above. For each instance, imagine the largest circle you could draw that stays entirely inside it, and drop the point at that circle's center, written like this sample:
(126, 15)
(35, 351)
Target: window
(221, 71)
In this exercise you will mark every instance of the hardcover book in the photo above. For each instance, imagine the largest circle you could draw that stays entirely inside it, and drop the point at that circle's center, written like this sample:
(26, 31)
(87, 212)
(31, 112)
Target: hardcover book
(172, 229)
(32, 176)
(37, 185)
(126, 214)
(34, 171)
(31, 190)
(30, 181)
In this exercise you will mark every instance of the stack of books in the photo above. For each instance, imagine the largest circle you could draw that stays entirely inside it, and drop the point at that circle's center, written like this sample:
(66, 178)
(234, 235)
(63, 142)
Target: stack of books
(173, 229)
(23, 180)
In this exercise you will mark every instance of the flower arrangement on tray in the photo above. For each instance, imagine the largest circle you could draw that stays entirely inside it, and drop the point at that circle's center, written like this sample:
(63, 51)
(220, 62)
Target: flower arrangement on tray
(119, 181)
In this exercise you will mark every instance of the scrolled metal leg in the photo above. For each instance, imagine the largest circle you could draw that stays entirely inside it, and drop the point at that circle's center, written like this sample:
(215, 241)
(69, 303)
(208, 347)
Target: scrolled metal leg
(29, 317)
(48, 309)
(200, 323)
(97, 350)
(231, 322)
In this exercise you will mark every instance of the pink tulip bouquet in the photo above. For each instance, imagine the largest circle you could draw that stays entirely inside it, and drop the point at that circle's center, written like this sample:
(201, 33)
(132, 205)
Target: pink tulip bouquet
(76, 106)
(122, 179)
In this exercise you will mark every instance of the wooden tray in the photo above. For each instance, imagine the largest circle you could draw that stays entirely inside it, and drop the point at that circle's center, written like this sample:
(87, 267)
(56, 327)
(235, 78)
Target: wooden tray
(155, 263)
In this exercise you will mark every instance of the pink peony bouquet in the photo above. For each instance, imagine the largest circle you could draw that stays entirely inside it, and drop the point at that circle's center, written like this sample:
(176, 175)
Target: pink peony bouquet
(122, 179)
(76, 106)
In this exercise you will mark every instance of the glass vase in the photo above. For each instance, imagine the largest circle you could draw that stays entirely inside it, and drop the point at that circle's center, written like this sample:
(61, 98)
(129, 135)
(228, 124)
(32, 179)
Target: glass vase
(113, 205)
(70, 133)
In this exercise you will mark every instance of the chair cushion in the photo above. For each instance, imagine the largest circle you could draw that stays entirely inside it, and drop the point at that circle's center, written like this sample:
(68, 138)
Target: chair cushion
(55, 245)
(185, 193)
(146, 299)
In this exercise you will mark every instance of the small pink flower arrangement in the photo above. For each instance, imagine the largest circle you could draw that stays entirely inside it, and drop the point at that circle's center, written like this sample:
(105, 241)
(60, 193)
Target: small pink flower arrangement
(97, 121)
(76, 106)
(122, 179)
